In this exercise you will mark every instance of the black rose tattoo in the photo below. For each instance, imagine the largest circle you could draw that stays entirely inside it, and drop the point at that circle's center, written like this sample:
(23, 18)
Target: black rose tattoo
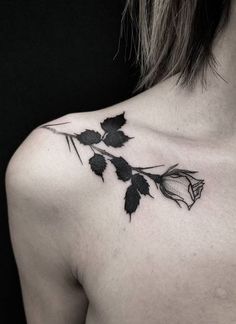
(176, 184)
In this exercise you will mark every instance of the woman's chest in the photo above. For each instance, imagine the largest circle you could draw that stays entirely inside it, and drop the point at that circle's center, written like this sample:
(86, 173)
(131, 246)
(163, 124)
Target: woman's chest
(167, 265)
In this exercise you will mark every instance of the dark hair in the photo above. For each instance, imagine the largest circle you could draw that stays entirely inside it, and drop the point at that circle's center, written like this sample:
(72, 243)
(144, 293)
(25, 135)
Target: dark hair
(176, 36)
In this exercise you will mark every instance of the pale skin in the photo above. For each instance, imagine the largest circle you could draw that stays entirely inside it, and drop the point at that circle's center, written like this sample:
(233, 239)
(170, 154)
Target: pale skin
(80, 260)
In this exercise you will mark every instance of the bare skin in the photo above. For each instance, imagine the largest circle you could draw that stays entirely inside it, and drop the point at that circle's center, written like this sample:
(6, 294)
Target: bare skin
(80, 259)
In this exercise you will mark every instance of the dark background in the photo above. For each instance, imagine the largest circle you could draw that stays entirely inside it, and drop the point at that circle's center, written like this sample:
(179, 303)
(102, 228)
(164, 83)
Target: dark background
(55, 58)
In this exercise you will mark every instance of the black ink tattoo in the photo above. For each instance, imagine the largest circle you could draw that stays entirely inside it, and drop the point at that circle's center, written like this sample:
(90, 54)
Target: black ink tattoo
(176, 184)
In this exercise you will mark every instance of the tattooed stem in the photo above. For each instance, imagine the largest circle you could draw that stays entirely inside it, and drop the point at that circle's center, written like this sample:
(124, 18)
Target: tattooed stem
(103, 136)
(68, 142)
(75, 148)
(154, 177)
(103, 152)
(53, 130)
(69, 138)
(148, 168)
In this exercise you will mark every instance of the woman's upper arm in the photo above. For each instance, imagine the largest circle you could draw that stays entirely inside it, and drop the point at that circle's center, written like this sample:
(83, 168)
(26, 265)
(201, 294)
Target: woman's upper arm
(40, 242)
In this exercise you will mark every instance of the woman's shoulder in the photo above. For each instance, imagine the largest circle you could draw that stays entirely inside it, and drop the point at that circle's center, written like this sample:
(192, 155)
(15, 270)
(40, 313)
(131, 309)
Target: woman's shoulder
(46, 163)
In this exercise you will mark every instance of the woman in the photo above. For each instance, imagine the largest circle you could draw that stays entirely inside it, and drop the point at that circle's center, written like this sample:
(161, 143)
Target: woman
(127, 215)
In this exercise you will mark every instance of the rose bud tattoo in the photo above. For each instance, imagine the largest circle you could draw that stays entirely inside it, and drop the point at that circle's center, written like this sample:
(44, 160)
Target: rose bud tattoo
(176, 184)
(180, 186)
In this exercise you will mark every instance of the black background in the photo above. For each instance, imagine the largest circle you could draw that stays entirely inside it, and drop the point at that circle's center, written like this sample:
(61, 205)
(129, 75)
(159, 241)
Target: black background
(55, 58)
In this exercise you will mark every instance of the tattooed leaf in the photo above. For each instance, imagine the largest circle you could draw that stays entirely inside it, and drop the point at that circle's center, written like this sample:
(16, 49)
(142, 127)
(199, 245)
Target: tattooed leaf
(116, 139)
(114, 123)
(140, 183)
(123, 169)
(132, 198)
(89, 137)
(98, 164)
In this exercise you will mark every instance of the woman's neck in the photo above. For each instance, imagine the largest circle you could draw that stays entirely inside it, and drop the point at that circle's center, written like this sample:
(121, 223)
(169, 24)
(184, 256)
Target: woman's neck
(209, 112)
